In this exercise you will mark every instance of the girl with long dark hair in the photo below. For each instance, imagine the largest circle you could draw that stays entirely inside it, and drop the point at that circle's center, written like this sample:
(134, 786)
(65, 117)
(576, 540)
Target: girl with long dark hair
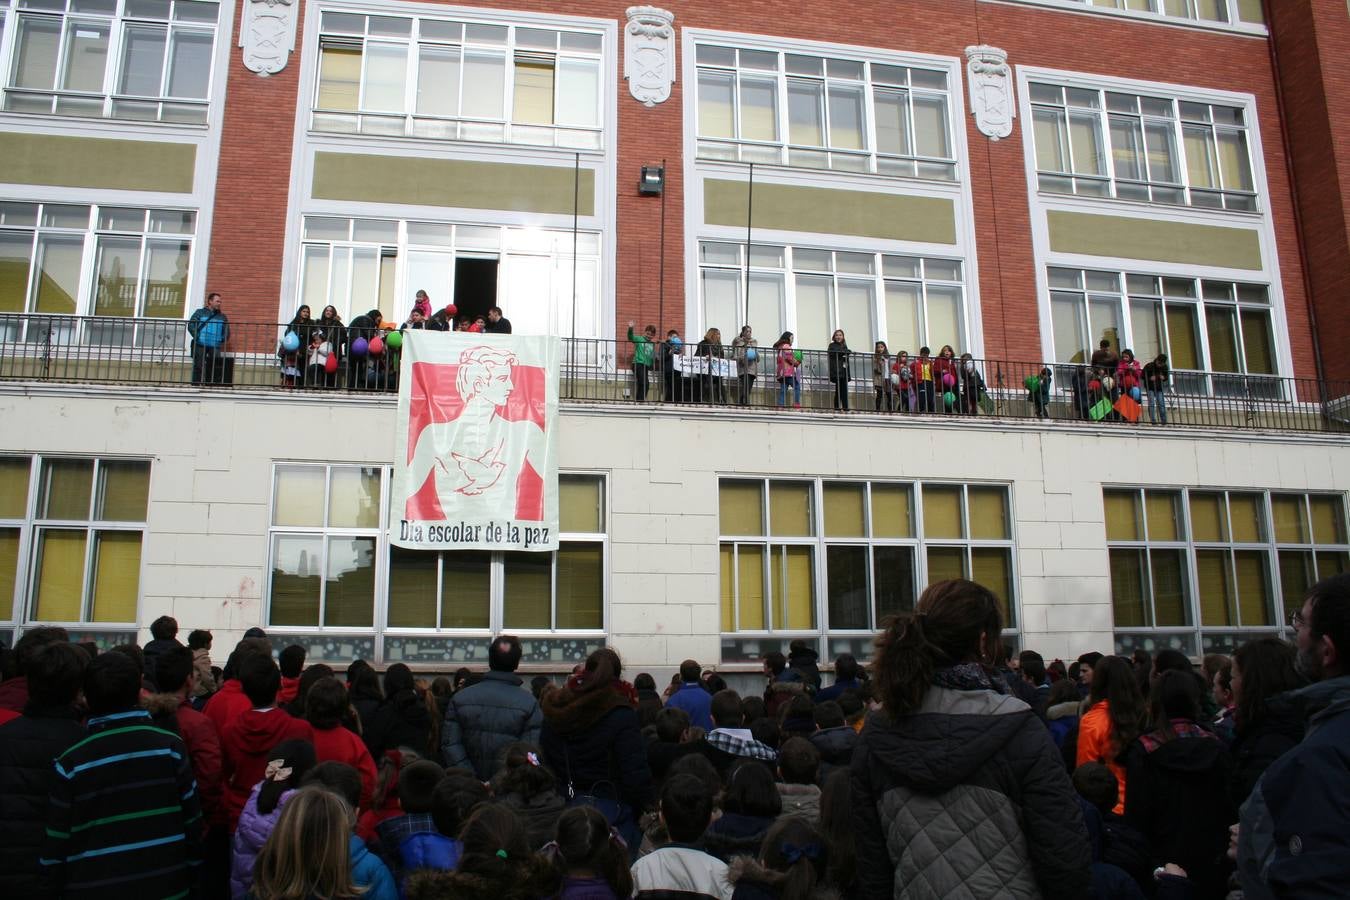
(1266, 724)
(590, 857)
(1114, 718)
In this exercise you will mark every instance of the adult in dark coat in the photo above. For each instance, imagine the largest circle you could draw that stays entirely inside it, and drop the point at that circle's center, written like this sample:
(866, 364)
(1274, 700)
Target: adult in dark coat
(1267, 723)
(50, 724)
(592, 739)
(402, 720)
(483, 718)
(364, 327)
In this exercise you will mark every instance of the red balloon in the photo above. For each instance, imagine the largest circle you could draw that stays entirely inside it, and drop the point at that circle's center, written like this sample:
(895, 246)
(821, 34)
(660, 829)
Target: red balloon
(330, 364)
(376, 346)
(1094, 385)
(451, 309)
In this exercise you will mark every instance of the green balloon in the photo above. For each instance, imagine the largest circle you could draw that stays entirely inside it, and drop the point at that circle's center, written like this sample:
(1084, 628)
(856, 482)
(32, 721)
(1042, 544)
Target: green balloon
(395, 340)
(797, 355)
(1032, 383)
(949, 398)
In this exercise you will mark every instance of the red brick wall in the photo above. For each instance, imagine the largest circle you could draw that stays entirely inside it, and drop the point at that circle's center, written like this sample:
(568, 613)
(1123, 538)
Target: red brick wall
(251, 196)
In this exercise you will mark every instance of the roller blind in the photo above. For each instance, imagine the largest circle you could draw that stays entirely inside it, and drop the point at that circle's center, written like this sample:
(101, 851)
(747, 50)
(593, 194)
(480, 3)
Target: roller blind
(465, 587)
(726, 562)
(1169, 588)
(891, 516)
(992, 567)
(941, 511)
(790, 509)
(580, 586)
(988, 512)
(1253, 586)
(845, 511)
(60, 575)
(741, 507)
(1213, 569)
(1127, 588)
(349, 589)
(14, 471)
(412, 588)
(750, 587)
(117, 576)
(528, 586)
(793, 572)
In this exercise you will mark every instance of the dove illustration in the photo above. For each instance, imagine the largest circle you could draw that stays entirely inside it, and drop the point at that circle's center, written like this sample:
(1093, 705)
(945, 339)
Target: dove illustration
(481, 472)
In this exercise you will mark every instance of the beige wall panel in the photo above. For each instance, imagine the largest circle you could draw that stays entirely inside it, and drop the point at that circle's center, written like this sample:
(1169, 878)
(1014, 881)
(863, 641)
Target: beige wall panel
(81, 162)
(1157, 241)
(893, 217)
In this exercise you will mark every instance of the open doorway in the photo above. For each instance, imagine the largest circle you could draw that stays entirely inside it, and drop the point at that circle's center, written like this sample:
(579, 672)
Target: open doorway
(475, 286)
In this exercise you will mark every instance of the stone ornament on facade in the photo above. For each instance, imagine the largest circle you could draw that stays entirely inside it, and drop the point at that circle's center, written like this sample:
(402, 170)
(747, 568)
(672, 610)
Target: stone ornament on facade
(267, 35)
(991, 90)
(649, 54)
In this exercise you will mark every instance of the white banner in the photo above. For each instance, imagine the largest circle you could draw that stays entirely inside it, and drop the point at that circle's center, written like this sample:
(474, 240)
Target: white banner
(703, 365)
(476, 454)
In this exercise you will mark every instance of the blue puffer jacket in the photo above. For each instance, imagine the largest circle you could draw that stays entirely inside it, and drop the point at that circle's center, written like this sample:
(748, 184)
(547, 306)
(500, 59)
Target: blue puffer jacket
(429, 850)
(371, 874)
(1295, 837)
(484, 718)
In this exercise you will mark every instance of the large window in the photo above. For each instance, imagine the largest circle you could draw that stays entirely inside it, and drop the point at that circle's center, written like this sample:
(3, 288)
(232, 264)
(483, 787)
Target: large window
(71, 532)
(111, 261)
(419, 76)
(802, 557)
(362, 264)
(1223, 566)
(823, 112)
(332, 565)
(124, 59)
(1105, 143)
(1207, 11)
(1203, 325)
(907, 301)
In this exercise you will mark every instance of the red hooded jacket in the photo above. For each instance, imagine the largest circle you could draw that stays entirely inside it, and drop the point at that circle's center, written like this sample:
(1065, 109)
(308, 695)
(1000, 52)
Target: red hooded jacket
(246, 743)
(226, 704)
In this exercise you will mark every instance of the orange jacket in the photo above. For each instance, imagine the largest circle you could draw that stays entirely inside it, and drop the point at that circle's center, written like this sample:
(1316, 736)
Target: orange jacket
(1095, 744)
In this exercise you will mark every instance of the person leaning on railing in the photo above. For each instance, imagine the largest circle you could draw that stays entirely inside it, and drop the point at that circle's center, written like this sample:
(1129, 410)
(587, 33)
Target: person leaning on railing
(209, 328)
(644, 359)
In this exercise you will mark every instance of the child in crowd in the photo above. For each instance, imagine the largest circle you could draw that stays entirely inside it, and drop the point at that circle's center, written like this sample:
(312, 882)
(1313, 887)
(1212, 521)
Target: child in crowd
(644, 359)
(199, 642)
(674, 740)
(497, 864)
(453, 800)
(291, 661)
(325, 707)
(590, 857)
(384, 802)
(749, 806)
(786, 368)
(793, 863)
(368, 873)
(686, 812)
(248, 740)
(309, 854)
(316, 361)
(290, 762)
(798, 765)
(834, 738)
(415, 785)
(528, 787)
(836, 826)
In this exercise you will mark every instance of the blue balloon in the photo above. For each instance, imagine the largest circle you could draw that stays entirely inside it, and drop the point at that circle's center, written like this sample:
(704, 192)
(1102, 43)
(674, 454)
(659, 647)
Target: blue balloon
(291, 342)
(675, 343)
(751, 354)
(1134, 393)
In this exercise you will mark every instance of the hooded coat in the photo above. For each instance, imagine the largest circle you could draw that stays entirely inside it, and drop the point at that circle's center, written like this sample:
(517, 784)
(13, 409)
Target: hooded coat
(483, 718)
(592, 740)
(965, 797)
(246, 743)
(402, 720)
(249, 837)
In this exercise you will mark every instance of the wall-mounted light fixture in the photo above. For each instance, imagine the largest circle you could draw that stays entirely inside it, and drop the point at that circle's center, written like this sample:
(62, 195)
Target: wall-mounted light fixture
(653, 181)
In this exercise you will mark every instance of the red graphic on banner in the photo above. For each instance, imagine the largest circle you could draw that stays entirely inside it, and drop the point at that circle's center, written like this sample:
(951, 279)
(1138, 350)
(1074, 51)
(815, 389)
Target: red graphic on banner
(436, 398)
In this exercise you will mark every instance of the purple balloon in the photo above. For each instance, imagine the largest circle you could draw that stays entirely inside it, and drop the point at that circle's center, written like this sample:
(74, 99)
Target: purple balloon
(359, 347)
(948, 379)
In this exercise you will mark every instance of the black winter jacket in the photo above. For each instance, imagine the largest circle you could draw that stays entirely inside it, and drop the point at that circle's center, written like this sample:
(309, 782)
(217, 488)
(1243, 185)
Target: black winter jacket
(592, 737)
(965, 797)
(28, 745)
(1255, 748)
(836, 748)
(400, 721)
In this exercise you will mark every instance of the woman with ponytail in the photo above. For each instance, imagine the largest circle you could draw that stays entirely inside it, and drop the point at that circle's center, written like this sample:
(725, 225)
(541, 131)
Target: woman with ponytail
(1114, 718)
(791, 866)
(957, 789)
(590, 857)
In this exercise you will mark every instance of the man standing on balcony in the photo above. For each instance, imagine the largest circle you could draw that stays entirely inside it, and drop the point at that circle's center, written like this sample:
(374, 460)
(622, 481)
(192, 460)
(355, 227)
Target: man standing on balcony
(210, 329)
(496, 322)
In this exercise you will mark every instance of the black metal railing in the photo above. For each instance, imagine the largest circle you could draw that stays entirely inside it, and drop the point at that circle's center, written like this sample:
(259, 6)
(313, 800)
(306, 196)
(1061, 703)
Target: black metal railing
(124, 351)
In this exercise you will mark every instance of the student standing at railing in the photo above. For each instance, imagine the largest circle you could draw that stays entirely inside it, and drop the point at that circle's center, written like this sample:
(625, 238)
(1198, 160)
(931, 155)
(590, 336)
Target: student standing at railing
(786, 367)
(209, 328)
(881, 377)
(644, 357)
(359, 334)
(333, 329)
(838, 366)
(971, 384)
(670, 348)
(711, 349)
(316, 372)
(906, 400)
(923, 373)
(944, 376)
(1157, 375)
(744, 349)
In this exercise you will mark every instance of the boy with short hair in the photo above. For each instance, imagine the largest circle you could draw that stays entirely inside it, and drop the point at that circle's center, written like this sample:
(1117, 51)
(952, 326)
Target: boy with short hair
(247, 740)
(680, 868)
(798, 766)
(199, 642)
(291, 662)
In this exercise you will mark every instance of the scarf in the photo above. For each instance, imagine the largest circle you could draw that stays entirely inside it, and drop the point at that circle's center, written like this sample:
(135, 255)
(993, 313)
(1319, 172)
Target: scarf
(969, 677)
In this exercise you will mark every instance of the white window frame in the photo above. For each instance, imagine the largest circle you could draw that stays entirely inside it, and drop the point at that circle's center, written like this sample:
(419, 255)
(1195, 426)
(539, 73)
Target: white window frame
(1155, 14)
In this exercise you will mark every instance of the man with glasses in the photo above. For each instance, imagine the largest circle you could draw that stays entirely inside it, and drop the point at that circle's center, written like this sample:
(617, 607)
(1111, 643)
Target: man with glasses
(1294, 835)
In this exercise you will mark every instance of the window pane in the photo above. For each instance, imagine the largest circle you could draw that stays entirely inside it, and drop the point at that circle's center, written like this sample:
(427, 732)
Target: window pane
(1127, 147)
(1199, 145)
(117, 576)
(438, 81)
(893, 580)
(1247, 514)
(727, 573)
(143, 60)
(1127, 588)
(1328, 520)
(296, 564)
(848, 598)
(9, 561)
(466, 588)
(741, 507)
(527, 590)
(1290, 524)
(1085, 138)
(349, 591)
(930, 127)
(354, 497)
(484, 85)
(386, 77)
(1208, 518)
(579, 92)
(16, 248)
(119, 270)
(124, 488)
(59, 586)
(298, 496)
(750, 587)
(892, 126)
(339, 78)
(1104, 320)
(992, 567)
(792, 570)
(806, 121)
(1162, 152)
(1183, 336)
(856, 302)
(1253, 584)
(1122, 516)
(942, 512)
(1234, 163)
(1163, 509)
(1066, 316)
(715, 105)
(533, 95)
(58, 275)
(813, 310)
(580, 503)
(846, 117)
(721, 297)
(66, 485)
(1331, 563)
(1147, 328)
(166, 276)
(988, 513)
(86, 56)
(1258, 343)
(1052, 153)
(891, 511)
(902, 316)
(1213, 576)
(580, 586)
(944, 316)
(14, 472)
(1169, 588)
(38, 40)
(412, 588)
(790, 512)
(945, 563)
(844, 510)
(1221, 325)
(766, 302)
(759, 109)
(1296, 576)
(190, 65)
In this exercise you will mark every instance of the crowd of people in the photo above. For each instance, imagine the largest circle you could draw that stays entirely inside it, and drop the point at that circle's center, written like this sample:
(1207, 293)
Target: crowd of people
(947, 768)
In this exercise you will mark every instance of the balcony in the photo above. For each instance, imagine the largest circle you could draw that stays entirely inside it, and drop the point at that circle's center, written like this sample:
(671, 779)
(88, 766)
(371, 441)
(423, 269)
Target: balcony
(157, 353)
